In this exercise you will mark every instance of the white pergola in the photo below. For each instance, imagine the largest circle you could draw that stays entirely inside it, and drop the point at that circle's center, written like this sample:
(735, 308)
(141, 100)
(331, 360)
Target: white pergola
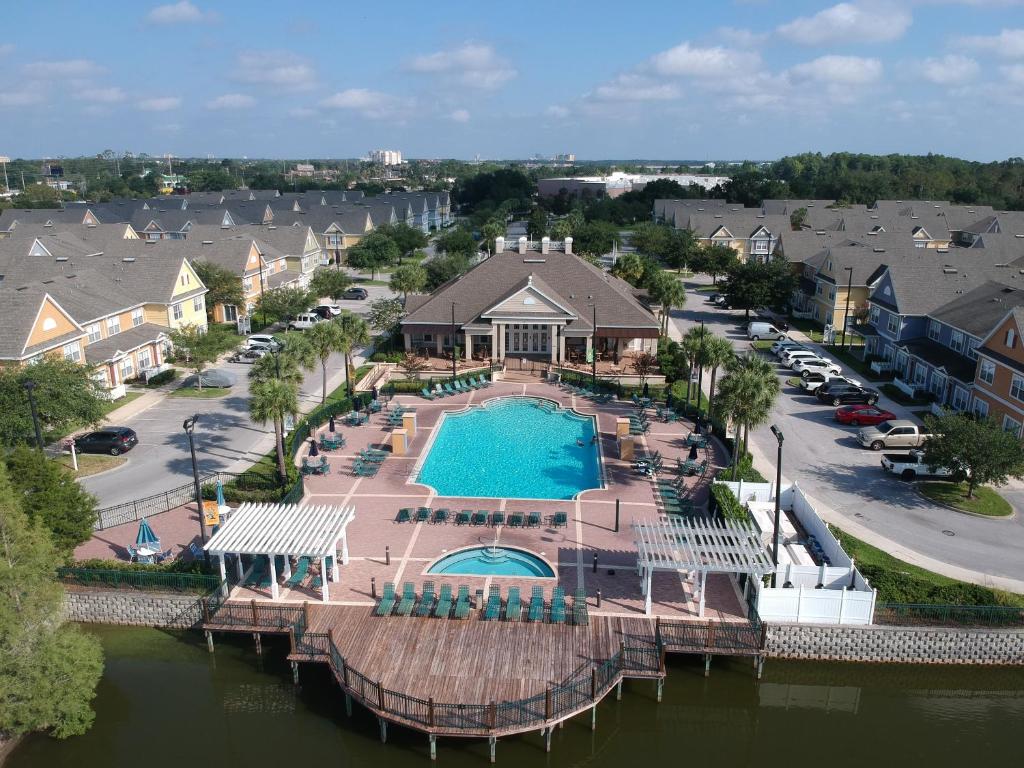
(289, 530)
(697, 546)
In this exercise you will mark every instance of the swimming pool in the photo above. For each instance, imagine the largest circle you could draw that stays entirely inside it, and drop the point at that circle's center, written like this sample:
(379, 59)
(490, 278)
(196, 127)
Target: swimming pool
(492, 561)
(513, 447)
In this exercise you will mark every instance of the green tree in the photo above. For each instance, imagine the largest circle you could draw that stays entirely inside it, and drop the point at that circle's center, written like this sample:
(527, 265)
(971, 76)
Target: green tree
(408, 239)
(355, 333)
(490, 232)
(331, 283)
(977, 452)
(223, 286)
(629, 267)
(717, 352)
(651, 239)
(747, 393)
(374, 252)
(38, 196)
(680, 248)
(196, 346)
(282, 304)
(66, 396)
(644, 365)
(385, 315)
(408, 278)
(269, 400)
(412, 364)
(537, 224)
(693, 347)
(595, 238)
(48, 671)
(715, 260)
(456, 242)
(441, 269)
(51, 496)
(754, 284)
(325, 339)
(666, 289)
(797, 219)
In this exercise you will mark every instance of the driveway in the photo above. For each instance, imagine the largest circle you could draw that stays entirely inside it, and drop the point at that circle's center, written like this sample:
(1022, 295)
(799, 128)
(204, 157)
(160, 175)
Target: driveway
(850, 488)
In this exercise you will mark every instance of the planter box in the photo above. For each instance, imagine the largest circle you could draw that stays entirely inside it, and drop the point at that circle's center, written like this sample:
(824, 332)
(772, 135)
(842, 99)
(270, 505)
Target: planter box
(880, 366)
(114, 393)
(904, 387)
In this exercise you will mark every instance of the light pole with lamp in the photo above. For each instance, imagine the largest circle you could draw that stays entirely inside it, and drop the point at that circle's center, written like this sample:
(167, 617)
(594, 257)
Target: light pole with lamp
(454, 348)
(30, 389)
(593, 351)
(276, 351)
(846, 314)
(189, 426)
(778, 501)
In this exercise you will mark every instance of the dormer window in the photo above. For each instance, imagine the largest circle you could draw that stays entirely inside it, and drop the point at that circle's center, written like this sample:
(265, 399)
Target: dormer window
(1010, 338)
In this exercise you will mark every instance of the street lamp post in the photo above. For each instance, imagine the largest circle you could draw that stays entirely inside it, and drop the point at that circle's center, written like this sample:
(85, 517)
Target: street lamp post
(593, 352)
(30, 389)
(846, 314)
(189, 426)
(700, 374)
(454, 361)
(778, 502)
(276, 352)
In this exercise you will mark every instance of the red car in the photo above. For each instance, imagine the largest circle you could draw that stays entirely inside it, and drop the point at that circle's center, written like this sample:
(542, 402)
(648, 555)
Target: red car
(862, 415)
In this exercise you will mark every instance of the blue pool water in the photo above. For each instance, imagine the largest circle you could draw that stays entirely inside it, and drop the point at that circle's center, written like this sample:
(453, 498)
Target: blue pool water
(513, 447)
(488, 561)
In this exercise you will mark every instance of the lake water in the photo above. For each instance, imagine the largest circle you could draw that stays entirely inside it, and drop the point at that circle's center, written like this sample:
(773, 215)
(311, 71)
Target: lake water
(164, 702)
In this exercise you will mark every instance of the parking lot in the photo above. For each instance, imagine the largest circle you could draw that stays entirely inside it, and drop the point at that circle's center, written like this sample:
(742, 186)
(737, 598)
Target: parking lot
(826, 460)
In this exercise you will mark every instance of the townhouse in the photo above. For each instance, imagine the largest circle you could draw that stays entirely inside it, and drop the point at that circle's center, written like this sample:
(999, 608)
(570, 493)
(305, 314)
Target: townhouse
(999, 385)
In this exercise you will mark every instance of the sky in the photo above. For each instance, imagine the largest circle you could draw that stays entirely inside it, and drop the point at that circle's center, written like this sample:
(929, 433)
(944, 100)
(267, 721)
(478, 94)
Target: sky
(739, 79)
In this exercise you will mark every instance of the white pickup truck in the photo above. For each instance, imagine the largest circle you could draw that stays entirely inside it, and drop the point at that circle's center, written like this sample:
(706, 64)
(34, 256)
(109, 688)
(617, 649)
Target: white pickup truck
(895, 433)
(910, 466)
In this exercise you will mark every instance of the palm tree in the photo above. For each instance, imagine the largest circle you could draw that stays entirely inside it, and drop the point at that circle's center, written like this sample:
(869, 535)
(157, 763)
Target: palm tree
(325, 339)
(354, 333)
(672, 294)
(269, 400)
(747, 394)
(692, 345)
(717, 352)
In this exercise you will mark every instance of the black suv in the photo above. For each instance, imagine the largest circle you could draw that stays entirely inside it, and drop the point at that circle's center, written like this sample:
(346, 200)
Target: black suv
(355, 293)
(112, 440)
(840, 393)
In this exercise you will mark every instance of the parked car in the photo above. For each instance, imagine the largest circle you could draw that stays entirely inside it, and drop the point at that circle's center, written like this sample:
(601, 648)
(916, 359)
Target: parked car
(857, 415)
(790, 356)
(760, 330)
(250, 355)
(304, 321)
(326, 311)
(781, 346)
(261, 341)
(808, 365)
(713, 297)
(112, 440)
(839, 394)
(812, 381)
(910, 466)
(355, 293)
(212, 378)
(894, 433)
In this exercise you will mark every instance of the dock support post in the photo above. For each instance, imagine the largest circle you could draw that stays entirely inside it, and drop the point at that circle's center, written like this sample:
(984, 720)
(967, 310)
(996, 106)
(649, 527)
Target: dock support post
(209, 641)
(383, 730)
(661, 688)
(547, 738)
(295, 672)
(348, 704)
(759, 666)
(433, 747)
(494, 742)
(593, 718)
(259, 643)
(618, 690)
(707, 665)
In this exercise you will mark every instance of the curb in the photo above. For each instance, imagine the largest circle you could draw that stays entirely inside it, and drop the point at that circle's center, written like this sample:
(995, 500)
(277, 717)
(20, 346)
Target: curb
(951, 508)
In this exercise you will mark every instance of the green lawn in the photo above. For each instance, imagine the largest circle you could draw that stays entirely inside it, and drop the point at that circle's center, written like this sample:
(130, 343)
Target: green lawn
(811, 328)
(708, 289)
(206, 393)
(368, 281)
(90, 463)
(763, 345)
(985, 501)
(793, 381)
(108, 408)
(897, 394)
(862, 368)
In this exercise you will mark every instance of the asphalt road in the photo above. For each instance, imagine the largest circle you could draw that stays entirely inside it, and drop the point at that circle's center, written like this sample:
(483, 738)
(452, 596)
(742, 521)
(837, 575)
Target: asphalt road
(825, 459)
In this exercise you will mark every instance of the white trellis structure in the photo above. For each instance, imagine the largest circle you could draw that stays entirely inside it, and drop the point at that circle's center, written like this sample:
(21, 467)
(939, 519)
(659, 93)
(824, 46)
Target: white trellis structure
(697, 546)
(289, 530)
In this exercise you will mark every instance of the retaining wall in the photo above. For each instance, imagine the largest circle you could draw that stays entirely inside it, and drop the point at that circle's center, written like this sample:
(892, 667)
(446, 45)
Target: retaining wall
(895, 645)
(146, 609)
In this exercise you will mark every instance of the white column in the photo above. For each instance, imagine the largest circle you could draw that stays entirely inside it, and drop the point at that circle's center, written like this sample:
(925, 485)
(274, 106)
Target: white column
(552, 342)
(561, 347)
(344, 548)
(439, 344)
(273, 577)
(238, 568)
(223, 570)
(323, 579)
(335, 576)
(501, 341)
(647, 594)
(408, 341)
(703, 584)
(590, 343)
(467, 353)
(286, 573)
(494, 340)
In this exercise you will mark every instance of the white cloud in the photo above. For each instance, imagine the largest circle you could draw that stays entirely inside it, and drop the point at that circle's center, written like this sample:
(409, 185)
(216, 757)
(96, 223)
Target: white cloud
(838, 70)
(110, 95)
(849, 23)
(301, 112)
(474, 65)
(636, 88)
(278, 69)
(182, 12)
(1009, 43)
(160, 104)
(20, 98)
(460, 116)
(6, 49)
(231, 101)
(742, 38)
(63, 68)
(1014, 74)
(557, 110)
(363, 101)
(952, 69)
(685, 60)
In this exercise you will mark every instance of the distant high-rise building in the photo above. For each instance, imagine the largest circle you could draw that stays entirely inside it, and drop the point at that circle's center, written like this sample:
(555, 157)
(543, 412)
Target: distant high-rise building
(386, 156)
(566, 158)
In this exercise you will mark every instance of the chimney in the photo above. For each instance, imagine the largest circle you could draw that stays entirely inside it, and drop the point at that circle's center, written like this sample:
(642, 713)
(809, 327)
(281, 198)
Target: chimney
(522, 244)
(545, 244)
(568, 245)
(499, 244)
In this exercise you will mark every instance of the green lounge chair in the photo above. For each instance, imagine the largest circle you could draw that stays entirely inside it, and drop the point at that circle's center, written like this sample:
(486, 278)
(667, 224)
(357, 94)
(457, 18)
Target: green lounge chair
(299, 574)
(533, 519)
(408, 599)
(560, 520)
(426, 393)
(460, 385)
(462, 518)
(558, 606)
(513, 606)
(493, 610)
(444, 602)
(364, 470)
(580, 617)
(462, 603)
(422, 514)
(471, 381)
(426, 600)
(480, 517)
(387, 600)
(439, 392)
(450, 389)
(497, 518)
(536, 612)
(484, 382)
(441, 515)
(372, 458)
(515, 520)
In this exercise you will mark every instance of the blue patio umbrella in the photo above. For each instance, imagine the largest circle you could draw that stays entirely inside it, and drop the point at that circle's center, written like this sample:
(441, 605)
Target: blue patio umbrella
(146, 538)
(220, 494)
(693, 452)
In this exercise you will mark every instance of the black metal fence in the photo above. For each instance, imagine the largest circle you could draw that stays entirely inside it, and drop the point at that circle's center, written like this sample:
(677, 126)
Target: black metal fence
(160, 581)
(916, 614)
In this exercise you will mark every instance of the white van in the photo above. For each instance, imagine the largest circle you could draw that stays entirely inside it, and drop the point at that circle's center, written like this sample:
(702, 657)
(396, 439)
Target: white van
(760, 330)
(304, 321)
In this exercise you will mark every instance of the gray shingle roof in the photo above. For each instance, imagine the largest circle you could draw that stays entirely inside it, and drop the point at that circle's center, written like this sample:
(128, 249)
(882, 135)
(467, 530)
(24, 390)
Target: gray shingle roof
(132, 338)
(978, 311)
